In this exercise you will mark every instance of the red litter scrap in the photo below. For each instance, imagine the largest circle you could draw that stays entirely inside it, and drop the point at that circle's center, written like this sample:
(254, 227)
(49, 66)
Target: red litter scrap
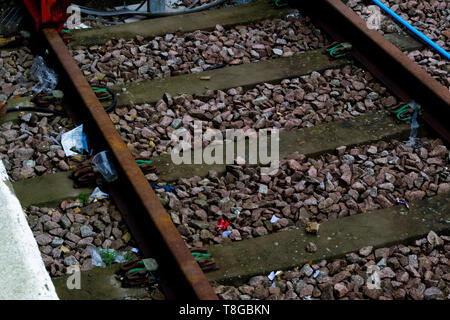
(223, 224)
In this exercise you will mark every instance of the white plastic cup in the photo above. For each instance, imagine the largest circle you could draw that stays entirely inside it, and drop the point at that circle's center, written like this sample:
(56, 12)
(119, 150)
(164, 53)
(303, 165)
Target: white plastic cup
(104, 165)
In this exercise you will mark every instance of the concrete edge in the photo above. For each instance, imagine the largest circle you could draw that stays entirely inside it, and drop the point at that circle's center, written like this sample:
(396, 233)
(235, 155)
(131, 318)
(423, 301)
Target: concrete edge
(22, 272)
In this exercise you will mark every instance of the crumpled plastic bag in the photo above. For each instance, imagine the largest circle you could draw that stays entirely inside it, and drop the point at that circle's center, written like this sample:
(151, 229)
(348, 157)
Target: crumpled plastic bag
(97, 259)
(46, 78)
(274, 219)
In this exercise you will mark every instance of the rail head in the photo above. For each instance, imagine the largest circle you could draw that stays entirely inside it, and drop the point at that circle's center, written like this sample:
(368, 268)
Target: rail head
(146, 217)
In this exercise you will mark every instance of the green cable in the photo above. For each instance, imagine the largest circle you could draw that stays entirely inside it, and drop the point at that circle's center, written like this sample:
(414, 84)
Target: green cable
(400, 111)
(142, 162)
(343, 45)
(199, 256)
(136, 269)
(277, 3)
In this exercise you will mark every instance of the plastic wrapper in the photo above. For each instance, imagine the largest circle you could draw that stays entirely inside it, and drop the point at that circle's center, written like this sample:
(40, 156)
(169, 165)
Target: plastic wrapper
(98, 254)
(226, 234)
(74, 139)
(274, 219)
(46, 78)
(97, 259)
(273, 274)
(98, 194)
(413, 140)
(104, 165)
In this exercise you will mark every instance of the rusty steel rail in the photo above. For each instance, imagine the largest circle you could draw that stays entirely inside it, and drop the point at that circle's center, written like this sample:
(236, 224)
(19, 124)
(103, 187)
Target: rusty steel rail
(148, 221)
(401, 75)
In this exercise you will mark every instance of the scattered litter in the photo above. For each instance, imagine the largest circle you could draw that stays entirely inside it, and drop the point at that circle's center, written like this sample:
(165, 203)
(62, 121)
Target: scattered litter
(150, 264)
(205, 78)
(263, 189)
(274, 219)
(52, 138)
(312, 227)
(98, 194)
(295, 14)
(135, 250)
(307, 298)
(46, 77)
(104, 165)
(167, 188)
(399, 201)
(79, 26)
(217, 66)
(223, 224)
(74, 140)
(413, 141)
(74, 204)
(101, 257)
(274, 274)
(226, 234)
(96, 257)
(316, 274)
(236, 210)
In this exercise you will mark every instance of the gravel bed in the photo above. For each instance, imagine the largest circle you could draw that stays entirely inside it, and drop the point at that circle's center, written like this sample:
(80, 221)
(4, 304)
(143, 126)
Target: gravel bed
(332, 95)
(330, 186)
(32, 147)
(419, 271)
(15, 73)
(120, 61)
(64, 233)
(432, 18)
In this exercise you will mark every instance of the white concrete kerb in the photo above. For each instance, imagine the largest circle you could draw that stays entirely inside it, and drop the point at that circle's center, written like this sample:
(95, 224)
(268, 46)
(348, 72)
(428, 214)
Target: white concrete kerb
(22, 272)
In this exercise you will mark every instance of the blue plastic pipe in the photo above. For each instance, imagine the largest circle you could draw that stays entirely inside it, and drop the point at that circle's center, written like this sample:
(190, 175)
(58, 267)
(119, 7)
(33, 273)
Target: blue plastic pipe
(412, 29)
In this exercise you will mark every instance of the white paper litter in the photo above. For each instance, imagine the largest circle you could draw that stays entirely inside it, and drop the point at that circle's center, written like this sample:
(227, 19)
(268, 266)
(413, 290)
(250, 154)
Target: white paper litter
(74, 138)
(273, 274)
(274, 219)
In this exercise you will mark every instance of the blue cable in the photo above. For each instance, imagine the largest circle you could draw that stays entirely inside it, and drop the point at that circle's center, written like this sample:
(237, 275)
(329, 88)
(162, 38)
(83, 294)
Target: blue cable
(412, 29)
(166, 187)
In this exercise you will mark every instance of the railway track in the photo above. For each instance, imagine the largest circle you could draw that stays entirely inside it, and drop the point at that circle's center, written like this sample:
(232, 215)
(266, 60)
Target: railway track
(342, 154)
